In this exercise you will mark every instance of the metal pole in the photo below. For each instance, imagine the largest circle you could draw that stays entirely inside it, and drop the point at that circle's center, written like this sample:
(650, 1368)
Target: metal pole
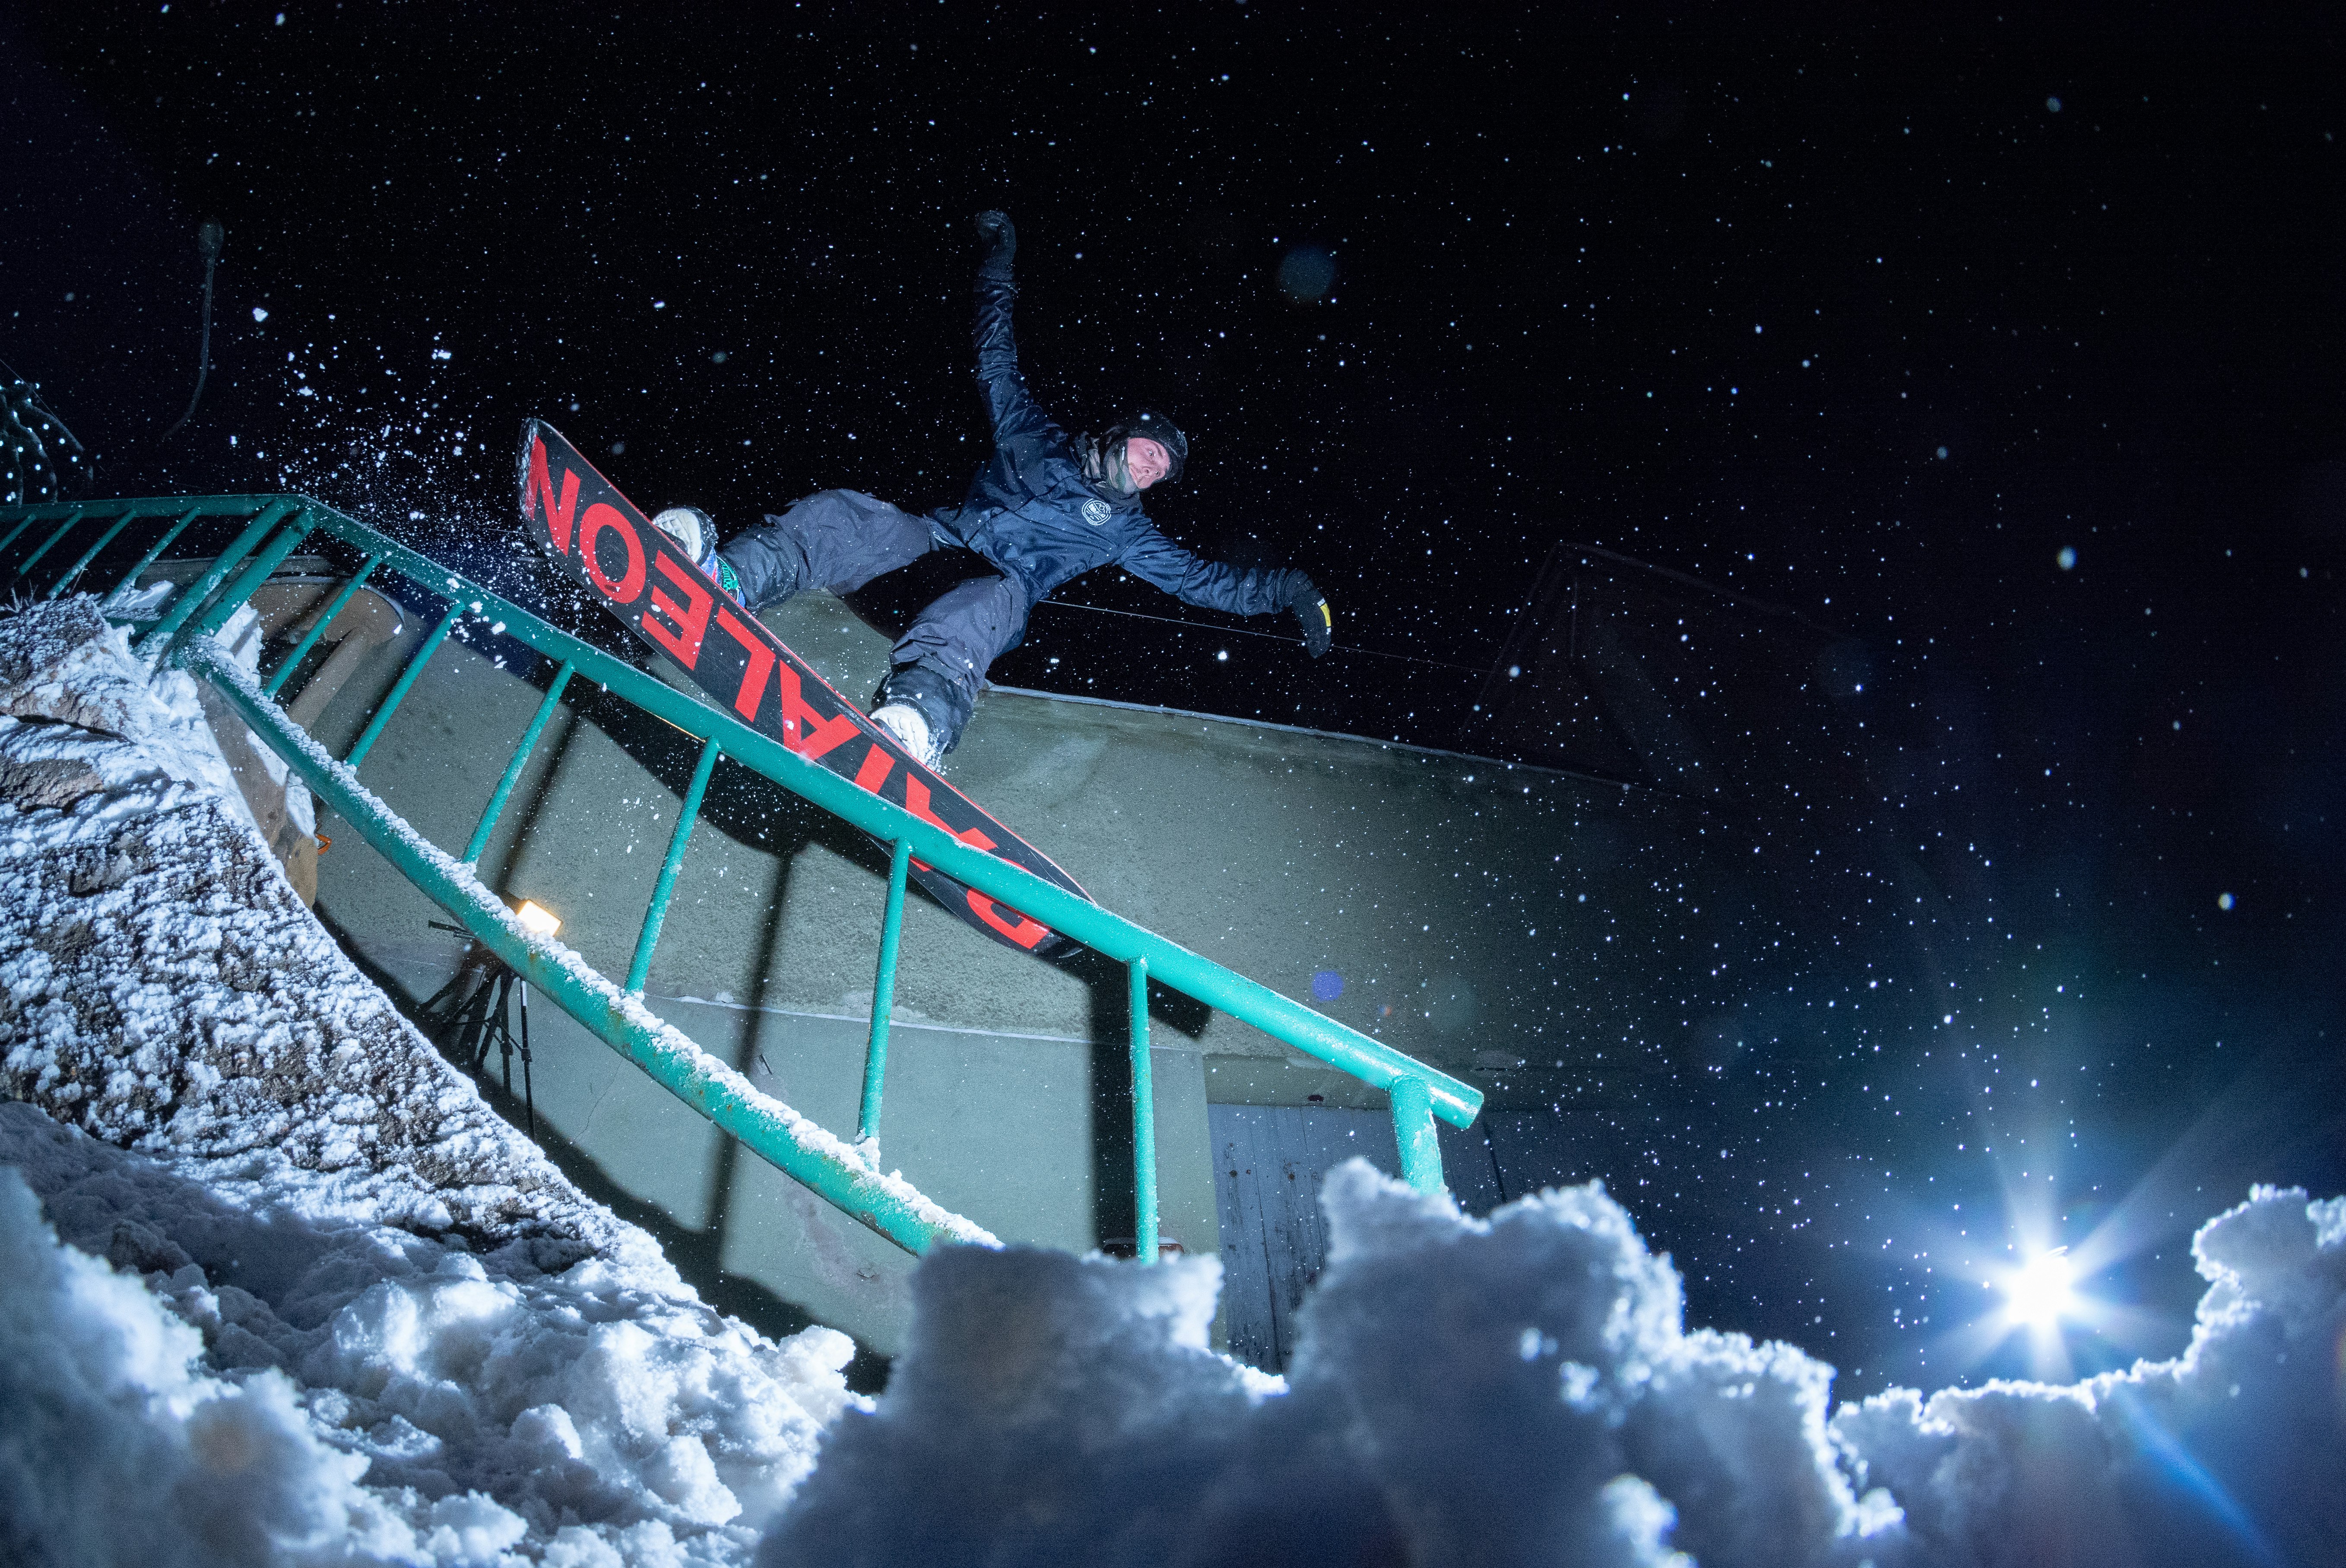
(399, 689)
(528, 1093)
(1421, 1150)
(155, 550)
(504, 1031)
(26, 521)
(318, 628)
(232, 598)
(63, 528)
(883, 994)
(1143, 1122)
(91, 554)
(192, 598)
(657, 915)
(1072, 915)
(512, 769)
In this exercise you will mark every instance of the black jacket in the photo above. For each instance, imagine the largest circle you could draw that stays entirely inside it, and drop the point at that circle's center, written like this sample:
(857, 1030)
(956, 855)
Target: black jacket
(1033, 513)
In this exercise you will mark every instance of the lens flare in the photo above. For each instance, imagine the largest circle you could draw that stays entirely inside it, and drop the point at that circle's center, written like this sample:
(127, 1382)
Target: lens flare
(2042, 1292)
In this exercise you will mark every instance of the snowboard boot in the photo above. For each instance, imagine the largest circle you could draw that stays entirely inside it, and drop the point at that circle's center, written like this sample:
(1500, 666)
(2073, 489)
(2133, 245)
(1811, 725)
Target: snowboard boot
(915, 695)
(692, 529)
(910, 726)
(695, 533)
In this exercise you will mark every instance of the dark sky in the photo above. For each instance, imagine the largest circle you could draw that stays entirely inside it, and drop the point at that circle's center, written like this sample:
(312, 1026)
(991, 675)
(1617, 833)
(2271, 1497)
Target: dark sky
(1875, 321)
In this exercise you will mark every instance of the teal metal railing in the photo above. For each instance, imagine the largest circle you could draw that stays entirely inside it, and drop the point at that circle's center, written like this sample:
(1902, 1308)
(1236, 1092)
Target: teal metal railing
(268, 528)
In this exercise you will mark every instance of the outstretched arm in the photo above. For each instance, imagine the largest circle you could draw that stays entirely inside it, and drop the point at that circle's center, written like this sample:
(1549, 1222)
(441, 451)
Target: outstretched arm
(1014, 411)
(1244, 591)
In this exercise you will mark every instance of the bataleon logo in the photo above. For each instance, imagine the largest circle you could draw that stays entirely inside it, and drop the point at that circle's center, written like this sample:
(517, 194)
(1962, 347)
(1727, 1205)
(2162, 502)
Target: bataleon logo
(640, 577)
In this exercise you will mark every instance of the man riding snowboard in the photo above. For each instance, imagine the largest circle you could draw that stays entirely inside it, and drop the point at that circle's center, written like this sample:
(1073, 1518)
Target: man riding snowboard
(1044, 509)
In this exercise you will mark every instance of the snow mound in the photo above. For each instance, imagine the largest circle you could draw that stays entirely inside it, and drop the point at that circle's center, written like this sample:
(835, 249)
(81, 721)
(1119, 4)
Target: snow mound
(120, 1448)
(374, 1395)
(350, 1286)
(1522, 1388)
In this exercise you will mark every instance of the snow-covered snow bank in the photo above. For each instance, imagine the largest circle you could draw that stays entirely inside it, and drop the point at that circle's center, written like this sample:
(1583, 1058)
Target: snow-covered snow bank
(375, 1322)
(1521, 1389)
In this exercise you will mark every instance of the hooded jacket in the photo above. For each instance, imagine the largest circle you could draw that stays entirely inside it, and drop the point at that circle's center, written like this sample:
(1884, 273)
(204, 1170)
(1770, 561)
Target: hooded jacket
(1031, 512)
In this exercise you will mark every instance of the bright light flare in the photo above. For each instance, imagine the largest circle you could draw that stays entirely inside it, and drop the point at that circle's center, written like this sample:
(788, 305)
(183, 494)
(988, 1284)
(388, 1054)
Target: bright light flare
(2044, 1291)
(537, 919)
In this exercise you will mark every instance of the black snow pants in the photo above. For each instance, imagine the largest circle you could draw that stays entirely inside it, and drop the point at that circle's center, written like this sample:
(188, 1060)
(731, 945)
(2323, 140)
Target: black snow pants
(841, 540)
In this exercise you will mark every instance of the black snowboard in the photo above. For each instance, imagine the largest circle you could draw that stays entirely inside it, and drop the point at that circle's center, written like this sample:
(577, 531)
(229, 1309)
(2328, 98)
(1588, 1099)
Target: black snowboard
(580, 519)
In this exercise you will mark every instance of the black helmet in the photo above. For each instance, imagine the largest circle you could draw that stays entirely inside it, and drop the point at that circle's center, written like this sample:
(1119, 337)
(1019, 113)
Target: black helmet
(1156, 427)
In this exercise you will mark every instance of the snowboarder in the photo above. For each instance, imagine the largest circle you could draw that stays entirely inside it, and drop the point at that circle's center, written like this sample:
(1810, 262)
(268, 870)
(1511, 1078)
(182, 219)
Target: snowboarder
(1045, 508)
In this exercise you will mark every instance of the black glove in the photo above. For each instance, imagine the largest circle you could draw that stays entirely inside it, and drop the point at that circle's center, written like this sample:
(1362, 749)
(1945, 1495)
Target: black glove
(1000, 240)
(1311, 608)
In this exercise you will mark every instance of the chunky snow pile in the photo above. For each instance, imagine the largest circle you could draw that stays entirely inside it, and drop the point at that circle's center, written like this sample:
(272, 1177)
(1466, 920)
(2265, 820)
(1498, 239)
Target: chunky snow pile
(292, 1383)
(1521, 1389)
(345, 1313)
(117, 1448)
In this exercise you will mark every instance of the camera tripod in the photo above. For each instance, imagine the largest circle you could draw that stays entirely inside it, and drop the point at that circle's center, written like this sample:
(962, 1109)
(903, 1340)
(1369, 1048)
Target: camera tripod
(471, 1013)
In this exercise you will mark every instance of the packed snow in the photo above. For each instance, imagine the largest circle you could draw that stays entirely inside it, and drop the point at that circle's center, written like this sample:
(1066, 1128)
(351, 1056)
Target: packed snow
(260, 1378)
(277, 1286)
(1522, 1388)
(315, 1302)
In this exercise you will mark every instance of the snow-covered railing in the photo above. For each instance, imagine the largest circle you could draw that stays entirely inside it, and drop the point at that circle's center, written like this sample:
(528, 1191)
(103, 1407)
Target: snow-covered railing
(273, 526)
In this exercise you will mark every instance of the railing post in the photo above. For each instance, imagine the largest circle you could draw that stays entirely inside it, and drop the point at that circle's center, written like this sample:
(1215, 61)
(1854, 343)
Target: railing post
(103, 539)
(155, 551)
(247, 582)
(883, 995)
(1143, 1122)
(398, 688)
(496, 805)
(63, 528)
(1421, 1150)
(192, 598)
(22, 523)
(657, 915)
(318, 628)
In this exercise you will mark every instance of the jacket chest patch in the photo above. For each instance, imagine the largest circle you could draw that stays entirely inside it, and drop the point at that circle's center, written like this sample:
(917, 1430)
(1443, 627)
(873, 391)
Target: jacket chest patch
(1096, 512)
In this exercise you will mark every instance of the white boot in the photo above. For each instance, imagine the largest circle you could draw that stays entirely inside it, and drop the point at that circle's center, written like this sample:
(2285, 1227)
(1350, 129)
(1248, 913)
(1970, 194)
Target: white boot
(690, 527)
(910, 726)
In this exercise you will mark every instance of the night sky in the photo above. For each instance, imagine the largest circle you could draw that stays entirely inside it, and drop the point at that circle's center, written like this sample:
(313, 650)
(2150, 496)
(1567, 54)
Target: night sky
(2012, 351)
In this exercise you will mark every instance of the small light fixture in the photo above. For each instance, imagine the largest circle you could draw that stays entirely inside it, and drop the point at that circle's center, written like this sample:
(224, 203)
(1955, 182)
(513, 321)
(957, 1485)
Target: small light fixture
(536, 921)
